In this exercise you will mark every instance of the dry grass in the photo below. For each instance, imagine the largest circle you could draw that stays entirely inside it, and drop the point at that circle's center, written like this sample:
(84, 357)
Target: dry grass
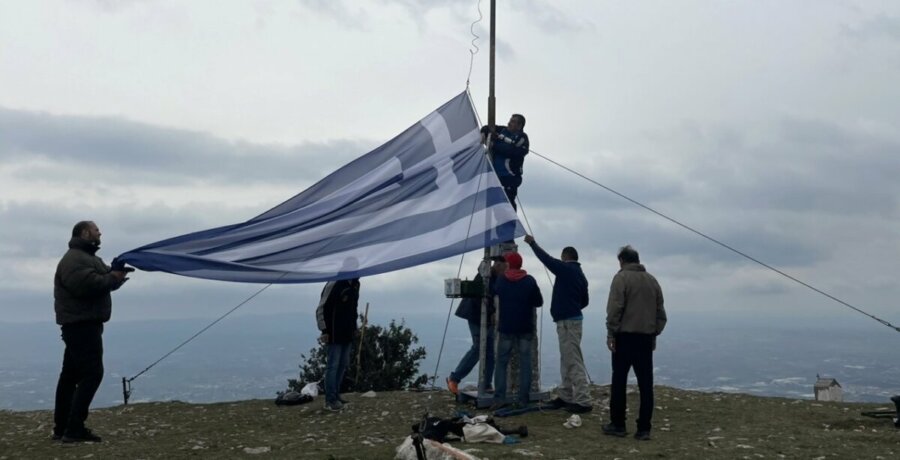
(687, 424)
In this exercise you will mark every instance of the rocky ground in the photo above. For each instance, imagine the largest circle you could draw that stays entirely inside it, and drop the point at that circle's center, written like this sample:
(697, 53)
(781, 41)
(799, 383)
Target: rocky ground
(687, 424)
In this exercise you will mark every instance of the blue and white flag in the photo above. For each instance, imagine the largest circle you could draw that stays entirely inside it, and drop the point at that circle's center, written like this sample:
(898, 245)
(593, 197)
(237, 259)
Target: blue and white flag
(427, 194)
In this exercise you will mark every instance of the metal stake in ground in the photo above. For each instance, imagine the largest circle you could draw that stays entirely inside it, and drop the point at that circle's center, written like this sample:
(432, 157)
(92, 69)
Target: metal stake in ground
(362, 335)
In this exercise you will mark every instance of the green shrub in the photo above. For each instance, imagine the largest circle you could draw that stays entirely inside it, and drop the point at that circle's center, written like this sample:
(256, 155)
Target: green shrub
(390, 361)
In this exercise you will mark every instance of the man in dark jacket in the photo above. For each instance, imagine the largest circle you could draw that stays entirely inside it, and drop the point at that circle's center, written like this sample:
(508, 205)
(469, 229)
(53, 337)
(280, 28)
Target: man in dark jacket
(508, 149)
(470, 310)
(519, 295)
(81, 293)
(634, 317)
(336, 318)
(570, 296)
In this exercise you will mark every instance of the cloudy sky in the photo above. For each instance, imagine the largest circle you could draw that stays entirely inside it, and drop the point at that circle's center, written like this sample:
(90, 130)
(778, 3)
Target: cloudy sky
(773, 126)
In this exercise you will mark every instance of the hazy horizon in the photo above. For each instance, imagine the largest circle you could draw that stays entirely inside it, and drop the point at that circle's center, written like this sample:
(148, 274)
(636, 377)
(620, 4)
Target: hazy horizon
(252, 356)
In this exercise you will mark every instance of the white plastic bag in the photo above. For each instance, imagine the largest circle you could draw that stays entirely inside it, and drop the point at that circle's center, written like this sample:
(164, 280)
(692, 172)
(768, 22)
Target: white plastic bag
(311, 389)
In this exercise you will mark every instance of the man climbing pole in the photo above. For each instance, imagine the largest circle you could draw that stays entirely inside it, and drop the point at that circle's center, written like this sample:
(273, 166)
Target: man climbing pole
(509, 145)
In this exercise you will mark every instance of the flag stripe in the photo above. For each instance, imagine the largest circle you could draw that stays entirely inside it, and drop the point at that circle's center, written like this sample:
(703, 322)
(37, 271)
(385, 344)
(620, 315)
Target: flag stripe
(427, 194)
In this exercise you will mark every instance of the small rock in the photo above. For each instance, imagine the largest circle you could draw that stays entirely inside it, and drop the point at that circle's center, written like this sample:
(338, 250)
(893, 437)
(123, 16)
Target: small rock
(257, 450)
(385, 413)
(368, 394)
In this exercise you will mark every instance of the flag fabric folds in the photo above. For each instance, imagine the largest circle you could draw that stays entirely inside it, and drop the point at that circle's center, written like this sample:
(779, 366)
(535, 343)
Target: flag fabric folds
(425, 195)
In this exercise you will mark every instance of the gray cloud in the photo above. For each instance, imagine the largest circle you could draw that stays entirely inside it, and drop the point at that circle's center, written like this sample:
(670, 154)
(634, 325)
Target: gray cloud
(159, 155)
(544, 15)
(880, 26)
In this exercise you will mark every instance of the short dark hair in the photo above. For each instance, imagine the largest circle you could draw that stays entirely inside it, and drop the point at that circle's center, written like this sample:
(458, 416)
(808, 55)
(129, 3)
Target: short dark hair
(520, 117)
(570, 253)
(81, 227)
(628, 255)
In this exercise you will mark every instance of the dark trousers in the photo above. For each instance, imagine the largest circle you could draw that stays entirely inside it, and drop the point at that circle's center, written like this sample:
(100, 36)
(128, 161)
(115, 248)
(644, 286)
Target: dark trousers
(511, 187)
(632, 351)
(82, 371)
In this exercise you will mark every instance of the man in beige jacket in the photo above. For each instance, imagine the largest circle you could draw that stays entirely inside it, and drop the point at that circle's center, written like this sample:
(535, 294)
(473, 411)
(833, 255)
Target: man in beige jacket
(634, 317)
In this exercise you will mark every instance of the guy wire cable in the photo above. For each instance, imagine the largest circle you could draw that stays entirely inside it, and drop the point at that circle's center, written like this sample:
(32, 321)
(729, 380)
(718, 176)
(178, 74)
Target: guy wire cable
(458, 274)
(126, 382)
(546, 270)
(697, 232)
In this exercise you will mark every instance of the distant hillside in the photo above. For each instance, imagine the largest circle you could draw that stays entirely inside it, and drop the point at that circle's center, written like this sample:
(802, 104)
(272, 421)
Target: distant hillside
(687, 424)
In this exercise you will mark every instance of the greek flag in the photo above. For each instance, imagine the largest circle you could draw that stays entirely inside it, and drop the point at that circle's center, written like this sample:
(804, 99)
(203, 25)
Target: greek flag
(427, 194)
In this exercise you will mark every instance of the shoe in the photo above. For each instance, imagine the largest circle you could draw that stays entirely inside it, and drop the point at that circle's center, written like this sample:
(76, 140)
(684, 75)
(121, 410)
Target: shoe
(557, 403)
(612, 430)
(343, 401)
(56, 437)
(575, 408)
(453, 386)
(497, 406)
(83, 435)
(642, 435)
(334, 406)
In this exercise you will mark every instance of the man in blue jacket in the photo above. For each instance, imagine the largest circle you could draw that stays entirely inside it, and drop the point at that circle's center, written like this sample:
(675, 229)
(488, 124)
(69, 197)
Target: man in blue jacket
(570, 296)
(508, 149)
(519, 295)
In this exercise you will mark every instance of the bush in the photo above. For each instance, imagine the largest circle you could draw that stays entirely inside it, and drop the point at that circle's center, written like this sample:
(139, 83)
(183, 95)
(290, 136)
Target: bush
(389, 361)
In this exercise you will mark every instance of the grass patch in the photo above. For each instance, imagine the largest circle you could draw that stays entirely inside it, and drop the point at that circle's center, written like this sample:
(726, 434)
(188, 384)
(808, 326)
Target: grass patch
(687, 424)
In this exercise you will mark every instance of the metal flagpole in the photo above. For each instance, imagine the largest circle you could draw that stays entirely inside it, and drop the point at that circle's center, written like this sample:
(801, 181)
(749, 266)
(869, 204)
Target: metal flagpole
(486, 299)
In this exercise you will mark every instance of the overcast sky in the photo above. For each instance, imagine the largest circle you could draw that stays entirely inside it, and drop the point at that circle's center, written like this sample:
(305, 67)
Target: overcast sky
(773, 126)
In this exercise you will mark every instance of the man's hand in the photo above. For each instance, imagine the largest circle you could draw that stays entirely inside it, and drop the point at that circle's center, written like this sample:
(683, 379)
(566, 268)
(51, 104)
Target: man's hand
(323, 339)
(118, 275)
(611, 344)
(529, 239)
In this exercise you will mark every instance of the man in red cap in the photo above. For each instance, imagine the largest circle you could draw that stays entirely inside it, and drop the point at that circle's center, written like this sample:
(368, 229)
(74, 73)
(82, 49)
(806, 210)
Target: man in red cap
(519, 295)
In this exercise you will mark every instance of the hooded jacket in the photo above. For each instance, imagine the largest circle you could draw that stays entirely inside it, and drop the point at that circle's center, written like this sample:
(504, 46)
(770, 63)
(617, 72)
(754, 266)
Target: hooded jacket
(570, 290)
(82, 285)
(337, 310)
(519, 295)
(635, 303)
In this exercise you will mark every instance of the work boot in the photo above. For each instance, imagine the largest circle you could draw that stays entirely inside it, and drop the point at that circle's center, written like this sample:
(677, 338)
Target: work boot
(612, 430)
(82, 435)
(576, 408)
(335, 406)
(557, 403)
(642, 435)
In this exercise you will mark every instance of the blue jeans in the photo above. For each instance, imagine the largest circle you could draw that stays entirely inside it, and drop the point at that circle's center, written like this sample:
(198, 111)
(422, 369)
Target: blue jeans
(521, 342)
(470, 359)
(338, 357)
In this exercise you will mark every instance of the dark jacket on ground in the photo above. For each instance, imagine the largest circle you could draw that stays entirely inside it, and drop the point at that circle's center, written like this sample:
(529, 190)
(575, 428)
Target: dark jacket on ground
(336, 314)
(518, 299)
(570, 290)
(82, 284)
(470, 308)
